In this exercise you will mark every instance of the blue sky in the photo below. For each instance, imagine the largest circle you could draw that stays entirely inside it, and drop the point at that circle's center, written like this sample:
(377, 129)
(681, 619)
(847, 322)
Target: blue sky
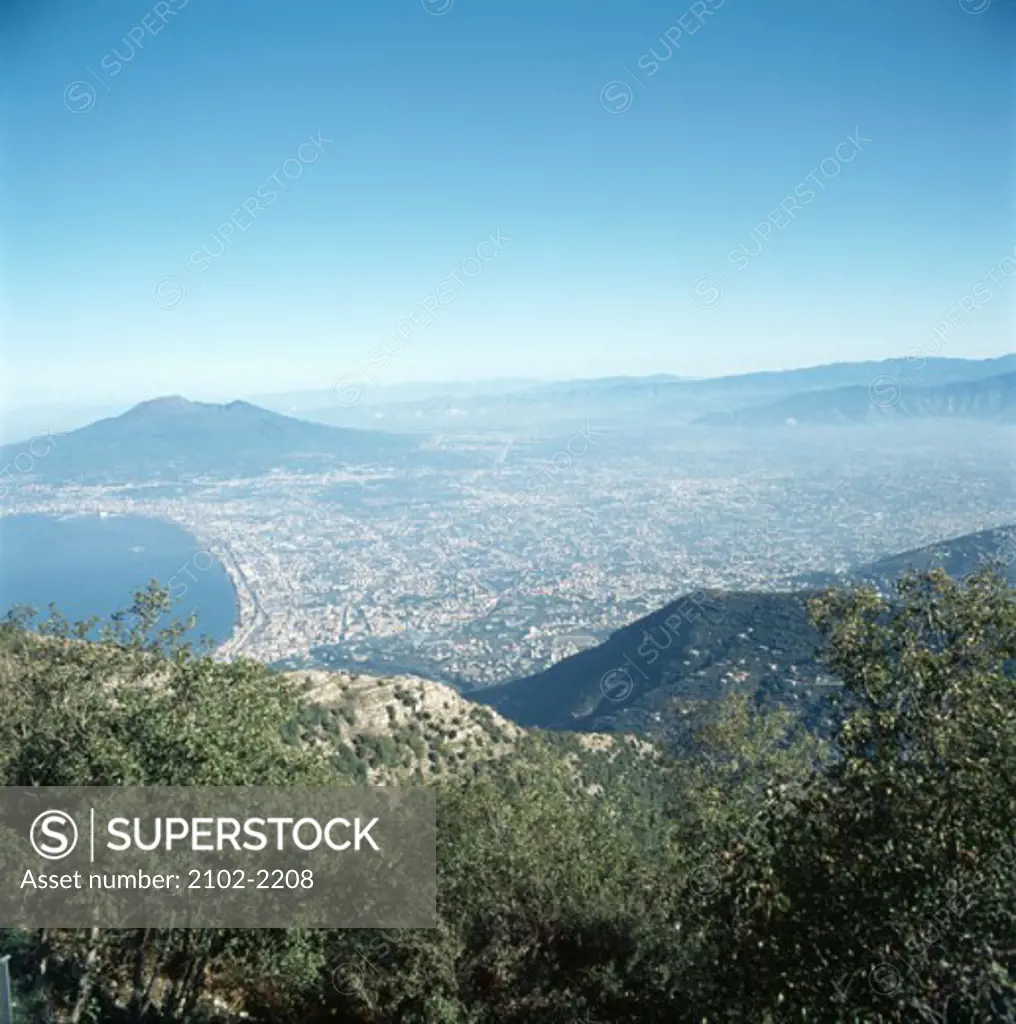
(625, 177)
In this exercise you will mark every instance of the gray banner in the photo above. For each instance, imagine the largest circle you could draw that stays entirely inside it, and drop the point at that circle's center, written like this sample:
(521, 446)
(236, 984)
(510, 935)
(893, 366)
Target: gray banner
(217, 857)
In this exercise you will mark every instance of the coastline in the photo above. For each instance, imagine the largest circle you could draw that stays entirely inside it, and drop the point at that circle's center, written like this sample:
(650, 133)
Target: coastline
(250, 614)
(197, 557)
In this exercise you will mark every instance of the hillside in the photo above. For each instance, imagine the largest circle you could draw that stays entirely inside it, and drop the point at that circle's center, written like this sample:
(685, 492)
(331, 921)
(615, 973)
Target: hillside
(402, 729)
(691, 653)
(376, 730)
(957, 555)
(173, 438)
(883, 398)
(398, 727)
(662, 673)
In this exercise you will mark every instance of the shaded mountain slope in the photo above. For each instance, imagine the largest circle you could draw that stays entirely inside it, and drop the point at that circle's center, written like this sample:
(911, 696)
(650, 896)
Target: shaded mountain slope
(661, 673)
(957, 555)
(694, 651)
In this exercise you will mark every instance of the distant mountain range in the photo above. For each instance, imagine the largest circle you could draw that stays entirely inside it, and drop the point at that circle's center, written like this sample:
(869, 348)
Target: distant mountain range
(705, 645)
(652, 400)
(927, 373)
(172, 438)
(884, 399)
(871, 391)
(541, 405)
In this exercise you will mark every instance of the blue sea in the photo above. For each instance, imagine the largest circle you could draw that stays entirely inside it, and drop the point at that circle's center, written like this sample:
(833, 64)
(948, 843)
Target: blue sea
(92, 565)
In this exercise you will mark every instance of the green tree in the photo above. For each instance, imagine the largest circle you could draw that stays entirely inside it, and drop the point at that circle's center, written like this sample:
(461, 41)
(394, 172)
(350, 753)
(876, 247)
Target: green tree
(144, 708)
(886, 889)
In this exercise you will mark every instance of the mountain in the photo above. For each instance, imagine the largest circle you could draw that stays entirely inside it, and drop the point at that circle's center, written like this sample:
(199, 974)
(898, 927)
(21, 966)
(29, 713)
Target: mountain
(958, 556)
(695, 650)
(705, 645)
(650, 400)
(534, 405)
(170, 438)
(931, 372)
(884, 398)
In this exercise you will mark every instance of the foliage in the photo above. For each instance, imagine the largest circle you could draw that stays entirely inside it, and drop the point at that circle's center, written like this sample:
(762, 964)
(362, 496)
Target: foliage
(885, 890)
(141, 710)
(769, 875)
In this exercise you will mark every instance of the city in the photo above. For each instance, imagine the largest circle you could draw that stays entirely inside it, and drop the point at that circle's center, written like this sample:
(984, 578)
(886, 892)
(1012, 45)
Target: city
(477, 576)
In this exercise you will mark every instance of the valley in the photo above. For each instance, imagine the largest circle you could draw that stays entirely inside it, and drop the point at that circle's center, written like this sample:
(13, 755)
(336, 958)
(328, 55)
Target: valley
(522, 552)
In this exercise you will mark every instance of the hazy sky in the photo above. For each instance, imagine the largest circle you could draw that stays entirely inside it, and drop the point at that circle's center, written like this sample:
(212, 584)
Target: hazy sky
(649, 199)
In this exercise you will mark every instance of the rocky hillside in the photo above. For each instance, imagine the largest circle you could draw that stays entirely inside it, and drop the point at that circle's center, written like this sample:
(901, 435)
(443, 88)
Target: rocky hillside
(398, 729)
(381, 730)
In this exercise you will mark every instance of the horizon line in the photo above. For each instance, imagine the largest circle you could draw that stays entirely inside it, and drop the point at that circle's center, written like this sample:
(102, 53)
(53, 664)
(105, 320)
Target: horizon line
(524, 381)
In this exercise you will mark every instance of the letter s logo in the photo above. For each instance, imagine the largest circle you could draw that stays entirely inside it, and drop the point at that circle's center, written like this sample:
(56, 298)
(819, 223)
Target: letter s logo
(53, 835)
